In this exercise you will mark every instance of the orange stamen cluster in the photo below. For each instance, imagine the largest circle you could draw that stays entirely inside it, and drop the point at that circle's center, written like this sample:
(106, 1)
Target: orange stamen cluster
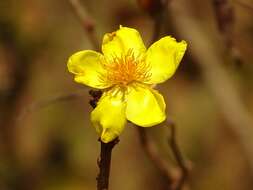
(126, 69)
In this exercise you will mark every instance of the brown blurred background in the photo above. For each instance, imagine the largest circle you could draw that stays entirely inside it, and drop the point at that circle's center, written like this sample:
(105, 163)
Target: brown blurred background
(47, 143)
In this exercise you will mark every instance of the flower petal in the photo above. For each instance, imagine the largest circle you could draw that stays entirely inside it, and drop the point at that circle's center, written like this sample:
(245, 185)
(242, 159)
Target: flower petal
(159, 99)
(145, 107)
(118, 43)
(164, 57)
(109, 117)
(87, 67)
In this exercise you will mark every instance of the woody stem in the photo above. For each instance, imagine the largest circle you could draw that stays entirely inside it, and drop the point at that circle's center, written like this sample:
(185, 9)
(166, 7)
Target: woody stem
(104, 164)
(104, 161)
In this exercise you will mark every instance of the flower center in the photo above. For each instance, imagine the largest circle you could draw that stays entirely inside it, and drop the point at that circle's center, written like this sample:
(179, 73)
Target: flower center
(126, 69)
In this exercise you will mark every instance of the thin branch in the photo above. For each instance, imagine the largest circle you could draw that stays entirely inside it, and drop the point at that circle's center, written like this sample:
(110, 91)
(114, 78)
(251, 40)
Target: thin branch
(147, 144)
(153, 154)
(89, 26)
(179, 158)
(36, 106)
(86, 21)
(104, 161)
(175, 181)
(104, 164)
(106, 148)
(216, 77)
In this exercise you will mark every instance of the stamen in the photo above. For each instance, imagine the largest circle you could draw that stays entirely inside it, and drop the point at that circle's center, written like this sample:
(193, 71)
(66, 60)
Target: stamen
(125, 69)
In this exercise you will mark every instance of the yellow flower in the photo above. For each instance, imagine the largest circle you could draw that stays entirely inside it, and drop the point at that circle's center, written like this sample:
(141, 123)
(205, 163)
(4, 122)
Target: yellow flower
(126, 72)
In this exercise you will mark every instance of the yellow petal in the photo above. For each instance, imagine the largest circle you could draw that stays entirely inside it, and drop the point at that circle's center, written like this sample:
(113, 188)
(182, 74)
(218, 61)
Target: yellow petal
(87, 67)
(118, 43)
(164, 57)
(109, 117)
(145, 107)
(159, 99)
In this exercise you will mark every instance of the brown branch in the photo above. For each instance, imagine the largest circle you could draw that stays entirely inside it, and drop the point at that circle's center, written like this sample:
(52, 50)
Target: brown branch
(175, 181)
(104, 161)
(89, 26)
(151, 151)
(36, 106)
(106, 148)
(86, 21)
(179, 158)
(159, 12)
(104, 164)
(206, 55)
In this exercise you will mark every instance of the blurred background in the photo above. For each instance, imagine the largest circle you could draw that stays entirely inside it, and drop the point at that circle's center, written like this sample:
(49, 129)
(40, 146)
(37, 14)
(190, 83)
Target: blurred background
(46, 139)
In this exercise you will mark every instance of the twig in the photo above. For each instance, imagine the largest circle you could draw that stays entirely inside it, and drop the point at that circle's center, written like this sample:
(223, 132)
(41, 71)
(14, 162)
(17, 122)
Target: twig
(216, 78)
(106, 148)
(86, 21)
(104, 161)
(153, 154)
(175, 181)
(48, 102)
(179, 158)
(89, 27)
(104, 164)
(147, 144)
